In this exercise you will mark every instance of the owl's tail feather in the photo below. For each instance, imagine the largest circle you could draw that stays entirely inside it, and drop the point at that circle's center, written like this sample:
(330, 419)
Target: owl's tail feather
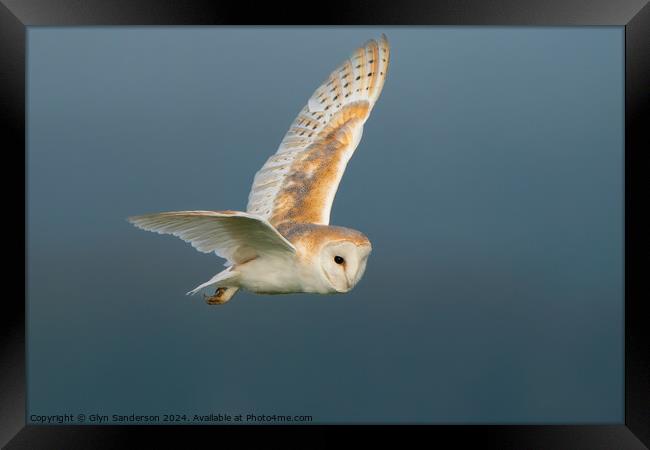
(226, 278)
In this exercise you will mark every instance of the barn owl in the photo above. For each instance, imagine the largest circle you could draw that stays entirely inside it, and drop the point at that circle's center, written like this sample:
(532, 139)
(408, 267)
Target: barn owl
(283, 243)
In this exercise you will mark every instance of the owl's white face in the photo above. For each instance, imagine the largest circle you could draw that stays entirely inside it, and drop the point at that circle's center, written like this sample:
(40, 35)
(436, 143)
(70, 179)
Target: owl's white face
(343, 264)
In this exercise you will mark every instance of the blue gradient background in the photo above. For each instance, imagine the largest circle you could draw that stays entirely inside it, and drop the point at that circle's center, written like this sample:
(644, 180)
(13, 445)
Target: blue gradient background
(489, 179)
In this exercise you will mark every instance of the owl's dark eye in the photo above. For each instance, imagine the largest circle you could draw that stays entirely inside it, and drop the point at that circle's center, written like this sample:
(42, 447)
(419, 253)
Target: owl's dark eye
(338, 260)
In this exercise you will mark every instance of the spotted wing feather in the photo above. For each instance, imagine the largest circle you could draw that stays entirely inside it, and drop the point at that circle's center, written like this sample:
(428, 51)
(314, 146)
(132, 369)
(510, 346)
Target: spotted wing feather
(298, 183)
(233, 235)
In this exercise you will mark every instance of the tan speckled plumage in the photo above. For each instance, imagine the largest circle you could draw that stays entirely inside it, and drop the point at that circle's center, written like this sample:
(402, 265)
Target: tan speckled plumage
(299, 182)
(284, 243)
(310, 236)
(307, 189)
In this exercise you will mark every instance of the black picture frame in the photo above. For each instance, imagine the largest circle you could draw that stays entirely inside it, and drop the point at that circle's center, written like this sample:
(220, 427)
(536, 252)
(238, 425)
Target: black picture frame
(634, 15)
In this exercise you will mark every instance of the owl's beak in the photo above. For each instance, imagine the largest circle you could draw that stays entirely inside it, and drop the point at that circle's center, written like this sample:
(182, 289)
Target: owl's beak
(348, 283)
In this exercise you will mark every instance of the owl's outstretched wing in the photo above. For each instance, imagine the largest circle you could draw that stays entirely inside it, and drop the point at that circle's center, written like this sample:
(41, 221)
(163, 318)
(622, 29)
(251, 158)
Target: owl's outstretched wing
(298, 183)
(233, 235)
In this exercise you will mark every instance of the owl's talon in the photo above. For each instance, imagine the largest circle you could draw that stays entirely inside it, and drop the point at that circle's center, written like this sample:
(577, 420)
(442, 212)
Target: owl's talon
(217, 298)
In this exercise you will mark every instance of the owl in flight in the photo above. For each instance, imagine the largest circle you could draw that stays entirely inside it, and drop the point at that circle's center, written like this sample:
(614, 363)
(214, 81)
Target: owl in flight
(283, 243)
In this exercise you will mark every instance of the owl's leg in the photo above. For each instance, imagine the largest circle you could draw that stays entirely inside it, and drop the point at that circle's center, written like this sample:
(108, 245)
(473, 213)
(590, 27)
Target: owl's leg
(221, 295)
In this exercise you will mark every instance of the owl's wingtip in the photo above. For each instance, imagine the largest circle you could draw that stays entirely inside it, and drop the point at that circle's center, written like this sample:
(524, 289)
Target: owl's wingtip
(133, 220)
